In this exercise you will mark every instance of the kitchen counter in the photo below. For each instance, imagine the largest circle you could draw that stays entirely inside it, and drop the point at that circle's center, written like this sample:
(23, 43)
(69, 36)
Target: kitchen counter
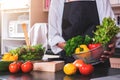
(101, 70)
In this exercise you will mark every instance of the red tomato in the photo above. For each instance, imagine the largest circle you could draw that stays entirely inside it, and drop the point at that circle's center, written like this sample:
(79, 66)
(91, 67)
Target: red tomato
(13, 67)
(86, 69)
(27, 67)
(29, 62)
(19, 65)
(92, 46)
(78, 63)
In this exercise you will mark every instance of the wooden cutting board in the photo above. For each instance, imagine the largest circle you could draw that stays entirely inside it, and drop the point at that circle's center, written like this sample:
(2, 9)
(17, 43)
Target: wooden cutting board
(50, 66)
(114, 62)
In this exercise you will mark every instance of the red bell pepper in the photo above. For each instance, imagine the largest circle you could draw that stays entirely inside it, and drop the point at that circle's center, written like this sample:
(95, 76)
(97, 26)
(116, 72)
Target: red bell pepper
(94, 45)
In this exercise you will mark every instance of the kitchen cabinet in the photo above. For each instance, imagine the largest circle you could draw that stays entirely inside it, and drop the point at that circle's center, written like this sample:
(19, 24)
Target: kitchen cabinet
(115, 6)
(18, 10)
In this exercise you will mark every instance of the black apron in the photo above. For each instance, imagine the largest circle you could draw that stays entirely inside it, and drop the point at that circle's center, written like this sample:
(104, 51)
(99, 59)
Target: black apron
(79, 18)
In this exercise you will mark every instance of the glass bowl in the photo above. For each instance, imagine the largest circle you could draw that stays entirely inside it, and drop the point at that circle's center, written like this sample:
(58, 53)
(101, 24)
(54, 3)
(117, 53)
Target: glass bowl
(92, 56)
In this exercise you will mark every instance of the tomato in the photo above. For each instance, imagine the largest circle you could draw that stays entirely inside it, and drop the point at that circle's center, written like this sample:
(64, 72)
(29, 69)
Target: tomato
(13, 67)
(86, 69)
(19, 65)
(92, 46)
(78, 63)
(27, 67)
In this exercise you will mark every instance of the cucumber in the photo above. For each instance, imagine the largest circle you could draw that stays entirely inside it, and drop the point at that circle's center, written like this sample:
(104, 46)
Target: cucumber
(4, 65)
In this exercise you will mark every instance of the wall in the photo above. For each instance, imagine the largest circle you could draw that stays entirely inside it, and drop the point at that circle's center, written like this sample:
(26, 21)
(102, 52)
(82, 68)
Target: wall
(37, 9)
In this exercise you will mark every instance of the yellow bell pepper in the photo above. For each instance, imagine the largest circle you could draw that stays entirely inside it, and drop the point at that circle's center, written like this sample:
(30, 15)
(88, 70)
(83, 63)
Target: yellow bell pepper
(81, 48)
(85, 48)
(77, 50)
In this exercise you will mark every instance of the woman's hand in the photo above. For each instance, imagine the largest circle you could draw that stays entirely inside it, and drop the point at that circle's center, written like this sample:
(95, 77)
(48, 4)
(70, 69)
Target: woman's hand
(61, 45)
(110, 51)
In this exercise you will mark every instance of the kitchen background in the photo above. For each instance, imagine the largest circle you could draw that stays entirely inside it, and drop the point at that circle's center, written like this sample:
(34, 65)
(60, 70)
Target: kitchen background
(34, 11)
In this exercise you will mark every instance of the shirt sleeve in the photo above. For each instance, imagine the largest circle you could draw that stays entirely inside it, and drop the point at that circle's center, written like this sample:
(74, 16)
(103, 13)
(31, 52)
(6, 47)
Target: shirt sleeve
(104, 9)
(54, 24)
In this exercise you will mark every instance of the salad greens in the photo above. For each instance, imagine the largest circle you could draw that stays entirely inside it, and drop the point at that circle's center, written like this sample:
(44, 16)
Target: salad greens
(33, 53)
(106, 31)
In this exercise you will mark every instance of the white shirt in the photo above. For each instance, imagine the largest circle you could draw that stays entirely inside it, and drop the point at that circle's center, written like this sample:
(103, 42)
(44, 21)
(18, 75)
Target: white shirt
(55, 20)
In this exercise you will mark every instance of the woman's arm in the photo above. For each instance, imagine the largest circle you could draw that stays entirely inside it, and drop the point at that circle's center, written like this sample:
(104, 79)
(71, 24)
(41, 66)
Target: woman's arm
(54, 25)
(104, 9)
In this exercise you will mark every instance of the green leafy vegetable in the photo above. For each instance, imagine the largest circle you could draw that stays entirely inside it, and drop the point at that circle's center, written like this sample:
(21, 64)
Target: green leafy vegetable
(87, 40)
(74, 42)
(106, 31)
(32, 53)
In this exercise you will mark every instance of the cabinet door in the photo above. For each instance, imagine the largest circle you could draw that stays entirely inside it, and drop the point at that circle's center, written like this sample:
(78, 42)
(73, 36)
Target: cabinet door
(12, 12)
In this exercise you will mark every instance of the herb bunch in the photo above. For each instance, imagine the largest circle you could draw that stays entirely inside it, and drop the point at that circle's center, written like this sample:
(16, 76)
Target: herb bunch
(106, 31)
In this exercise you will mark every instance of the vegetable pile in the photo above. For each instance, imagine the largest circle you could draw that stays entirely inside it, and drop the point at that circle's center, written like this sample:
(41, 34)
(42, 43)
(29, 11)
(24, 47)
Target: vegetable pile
(73, 43)
(103, 34)
(24, 53)
(31, 53)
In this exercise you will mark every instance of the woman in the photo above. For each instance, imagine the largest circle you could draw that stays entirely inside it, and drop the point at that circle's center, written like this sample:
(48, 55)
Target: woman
(69, 18)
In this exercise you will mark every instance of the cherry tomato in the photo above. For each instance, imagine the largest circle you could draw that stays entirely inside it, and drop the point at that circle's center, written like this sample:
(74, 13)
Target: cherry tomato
(78, 63)
(13, 67)
(92, 46)
(19, 65)
(86, 69)
(27, 67)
